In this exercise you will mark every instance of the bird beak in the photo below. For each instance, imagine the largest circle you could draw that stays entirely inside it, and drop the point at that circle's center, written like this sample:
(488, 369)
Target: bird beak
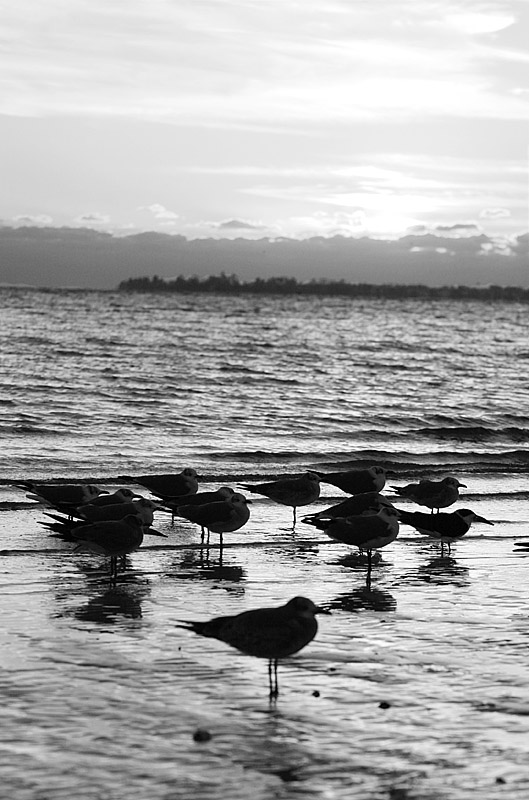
(321, 610)
(482, 519)
(152, 532)
(463, 485)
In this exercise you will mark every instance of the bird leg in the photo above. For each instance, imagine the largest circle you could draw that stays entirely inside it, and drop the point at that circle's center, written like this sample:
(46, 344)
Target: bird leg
(369, 564)
(272, 679)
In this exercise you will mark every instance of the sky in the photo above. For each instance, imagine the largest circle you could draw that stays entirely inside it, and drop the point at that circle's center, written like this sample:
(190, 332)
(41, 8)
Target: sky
(266, 118)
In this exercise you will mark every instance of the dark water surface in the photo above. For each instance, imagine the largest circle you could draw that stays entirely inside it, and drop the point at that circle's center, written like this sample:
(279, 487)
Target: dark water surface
(415, 688)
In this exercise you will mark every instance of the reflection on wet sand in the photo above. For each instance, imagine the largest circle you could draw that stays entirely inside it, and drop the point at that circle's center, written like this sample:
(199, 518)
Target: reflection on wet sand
(443, 569)
(198, 565)
(116, 602)
(365, 563)
(123, 600)
(275, 747)
(364, 598)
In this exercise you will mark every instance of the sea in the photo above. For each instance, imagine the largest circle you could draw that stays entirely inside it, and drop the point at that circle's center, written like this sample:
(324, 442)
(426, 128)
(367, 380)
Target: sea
(415, 687)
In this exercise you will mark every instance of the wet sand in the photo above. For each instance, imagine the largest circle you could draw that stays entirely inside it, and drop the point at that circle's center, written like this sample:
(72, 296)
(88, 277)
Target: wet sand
(414, 688)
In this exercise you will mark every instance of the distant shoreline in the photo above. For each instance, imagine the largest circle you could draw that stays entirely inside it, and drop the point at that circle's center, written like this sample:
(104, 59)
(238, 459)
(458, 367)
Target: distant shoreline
(230, 284)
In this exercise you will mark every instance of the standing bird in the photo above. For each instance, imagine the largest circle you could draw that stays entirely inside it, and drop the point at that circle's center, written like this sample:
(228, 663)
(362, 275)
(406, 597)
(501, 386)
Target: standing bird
(366, 503)
(289, 491)
(356, 481)
(365, 531)
(122, 495)
(142, 508)
(199, 499)
(169, 484)
(112, 538)
(224, 516)
(432, 494)
(64, 497)
(445, 528)
(271, 633)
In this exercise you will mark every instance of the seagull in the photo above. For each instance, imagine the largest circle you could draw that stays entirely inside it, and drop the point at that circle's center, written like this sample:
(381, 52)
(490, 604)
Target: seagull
(356, 481)
(224, 516)
(169, 484)
(445, 528)
(62, 496)
(143, 508)
(289, 491)
(271, 633)
(366, 503)
(122, 495)
(365, 531)
(432, 494)
(67, 529)
(112, 538)
(199, 499)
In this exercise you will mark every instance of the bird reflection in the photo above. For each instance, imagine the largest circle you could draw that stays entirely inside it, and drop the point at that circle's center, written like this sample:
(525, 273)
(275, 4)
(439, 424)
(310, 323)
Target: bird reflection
(364, 598)
(359, 562)
(123, 600)
(443, 569)
(199, 565)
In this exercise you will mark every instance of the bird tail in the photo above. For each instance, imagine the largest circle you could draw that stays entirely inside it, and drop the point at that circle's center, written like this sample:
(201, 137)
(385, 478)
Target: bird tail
(24, 485)
(190, 625)
(317, 522)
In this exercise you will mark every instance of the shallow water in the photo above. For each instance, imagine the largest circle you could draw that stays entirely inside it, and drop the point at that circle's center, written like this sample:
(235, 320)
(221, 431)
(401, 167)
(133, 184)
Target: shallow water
(101, 692)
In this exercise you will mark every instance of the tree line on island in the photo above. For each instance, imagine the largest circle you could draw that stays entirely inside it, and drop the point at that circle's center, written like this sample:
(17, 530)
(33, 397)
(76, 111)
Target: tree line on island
(231, 284)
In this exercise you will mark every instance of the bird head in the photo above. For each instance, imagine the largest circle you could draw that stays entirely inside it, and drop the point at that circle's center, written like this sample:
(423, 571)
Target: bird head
(470, 516)
(305, 607)
(454, 482)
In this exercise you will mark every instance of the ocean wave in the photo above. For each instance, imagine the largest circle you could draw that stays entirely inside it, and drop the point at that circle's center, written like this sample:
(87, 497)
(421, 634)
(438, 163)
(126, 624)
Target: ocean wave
(475, 433)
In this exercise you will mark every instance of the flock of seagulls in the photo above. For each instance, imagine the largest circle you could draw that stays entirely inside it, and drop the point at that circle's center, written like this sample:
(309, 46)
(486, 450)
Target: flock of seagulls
(114, 525)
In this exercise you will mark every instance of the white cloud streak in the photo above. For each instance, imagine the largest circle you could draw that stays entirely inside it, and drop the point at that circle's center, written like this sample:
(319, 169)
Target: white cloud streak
(225, 63)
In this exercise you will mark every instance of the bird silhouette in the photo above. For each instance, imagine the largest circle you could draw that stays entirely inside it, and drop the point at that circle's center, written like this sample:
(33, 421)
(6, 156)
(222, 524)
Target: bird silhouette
(271, 633)
(445, 528)
(365, 531)
(122, 495)
(432, 494)
(112, 538)
(366, 503)
(167, 485)
(224, 516)
(289, 491)
(143, 508)
(64, 497)
(199, 499)
(356, 481)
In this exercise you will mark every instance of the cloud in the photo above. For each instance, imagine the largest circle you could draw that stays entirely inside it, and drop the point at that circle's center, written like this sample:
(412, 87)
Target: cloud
(458, 230)
(238, 224)
(33, 219)
(92, 218)
(494, 213)
(160, 212)
(236, 63)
